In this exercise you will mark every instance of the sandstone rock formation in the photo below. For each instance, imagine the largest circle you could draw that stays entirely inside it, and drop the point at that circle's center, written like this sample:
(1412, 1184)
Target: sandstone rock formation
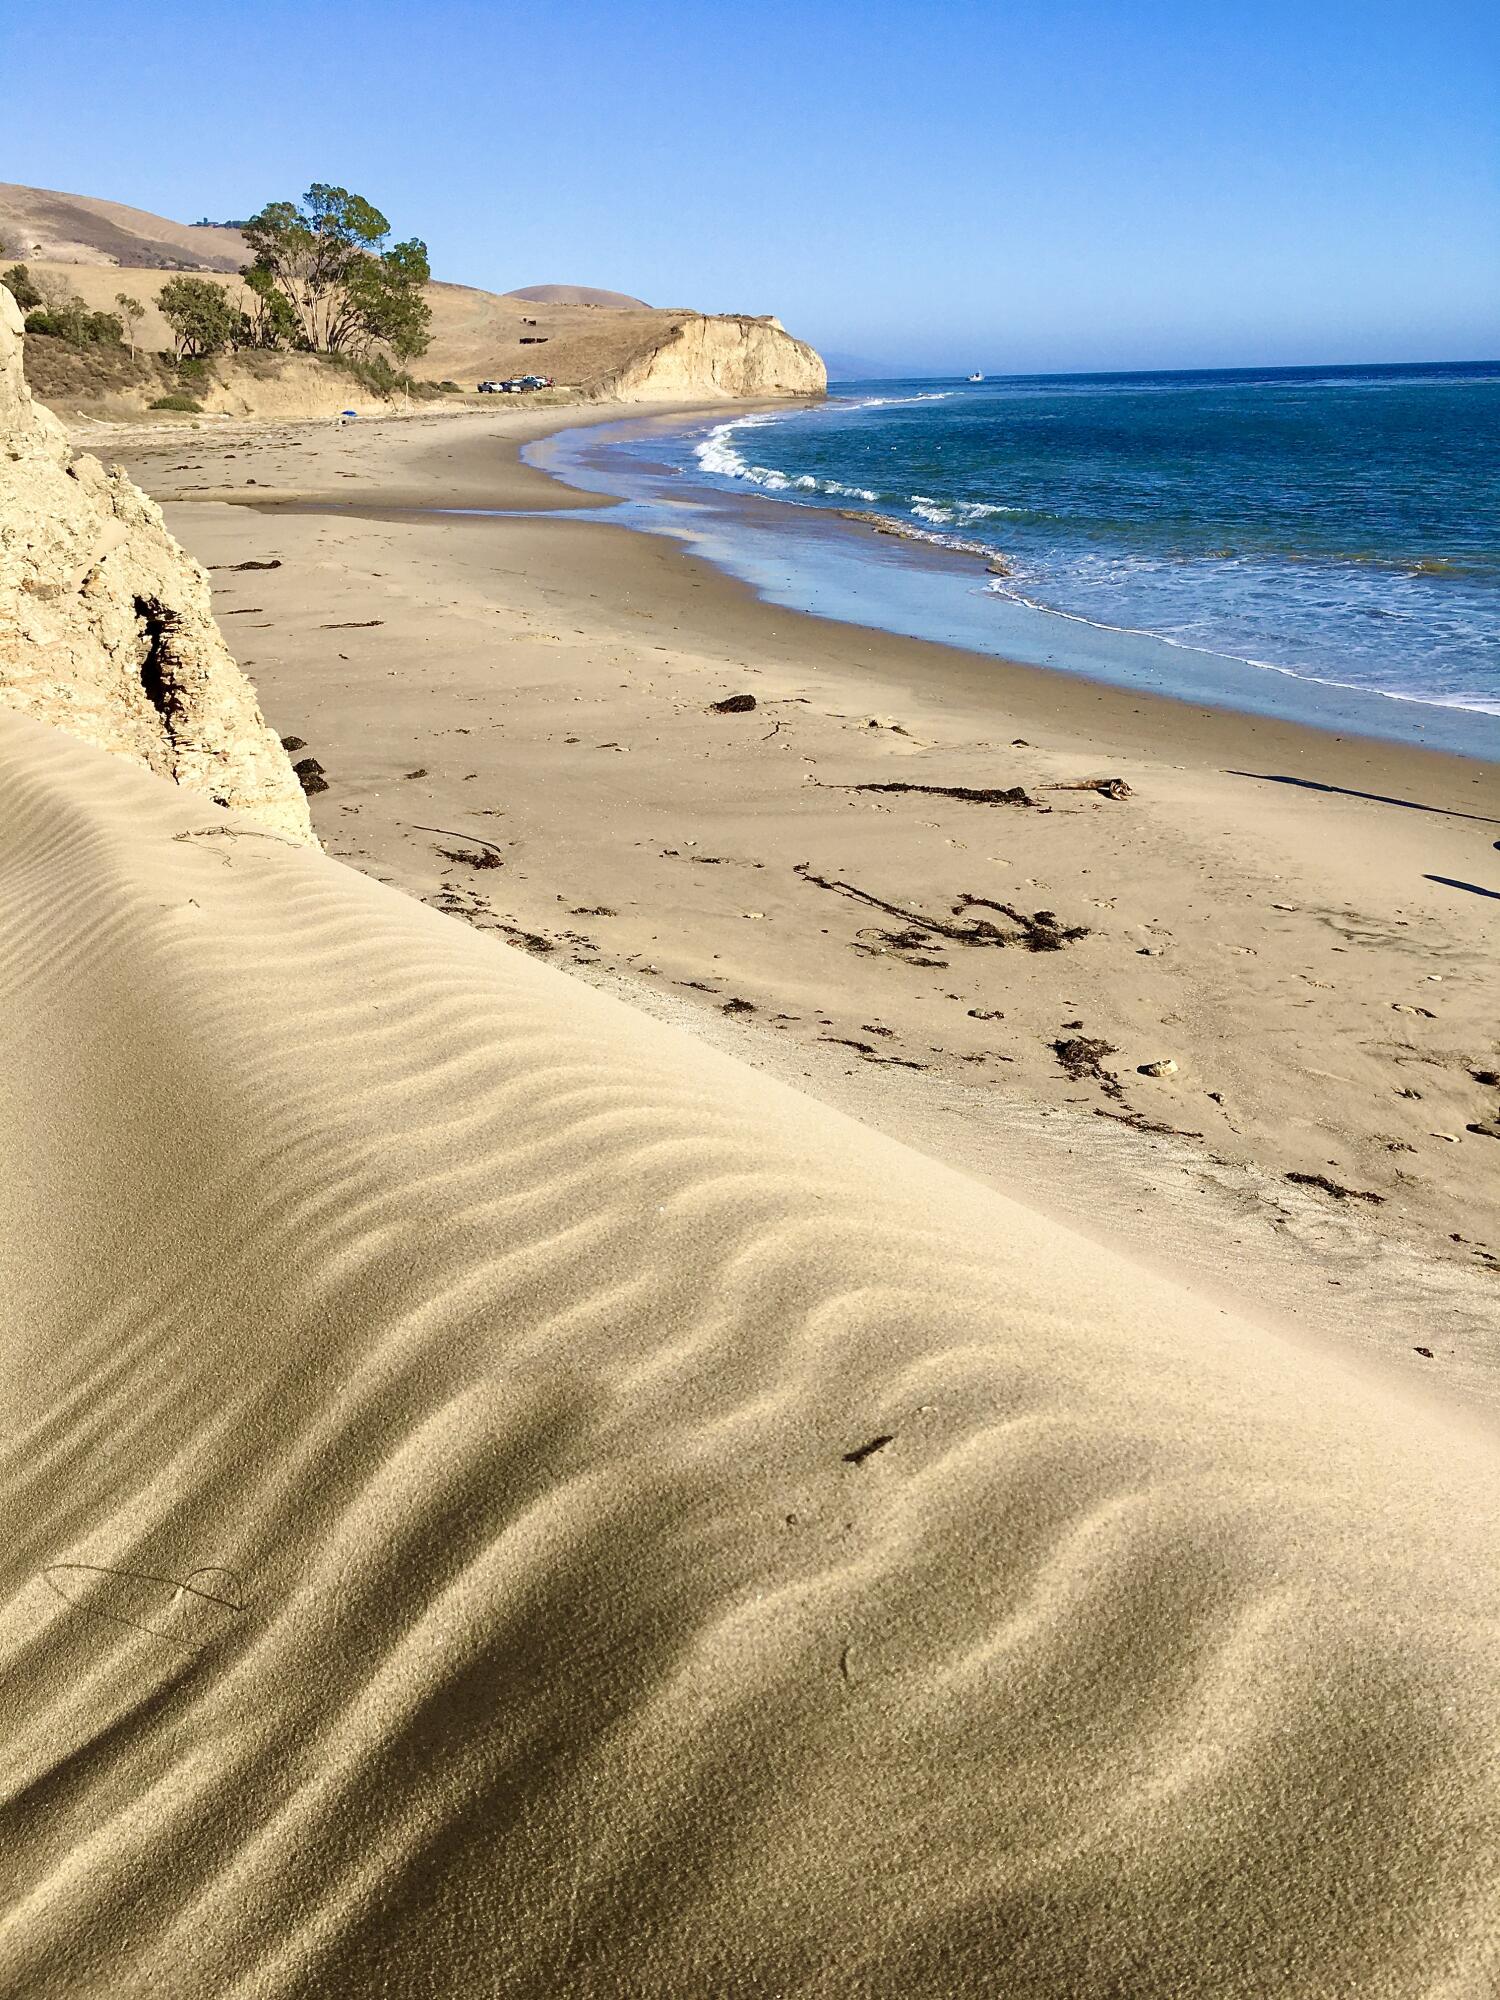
(722, 356)
(106, 625)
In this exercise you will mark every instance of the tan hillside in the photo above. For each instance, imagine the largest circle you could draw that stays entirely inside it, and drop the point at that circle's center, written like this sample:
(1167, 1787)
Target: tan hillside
(46, 224)
(576, 295)
(639, 354)
(100, 248)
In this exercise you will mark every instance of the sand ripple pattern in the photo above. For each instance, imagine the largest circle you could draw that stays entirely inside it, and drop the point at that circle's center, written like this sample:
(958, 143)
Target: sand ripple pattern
(434, 1561)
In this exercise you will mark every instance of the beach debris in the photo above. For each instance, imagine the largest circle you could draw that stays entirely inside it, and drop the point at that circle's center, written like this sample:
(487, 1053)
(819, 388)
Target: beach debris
(352, 625)
(1425, 1352)
(475, 910)
(1082, 1057)
(1484, 1131)
(309, 775)
(274, 562)
(473, 857)
(738, 1006)
(449, 834)
(1107, 788)
(868, 1053)
(986, 1014)
(1491, 1077)
(1163, 1066)
(734, 704)
(979, 795)
(904, 943)
(1138, 1122)
(863, 1451)
(1404, 1007)
(1041, 931)
(1332, 1187)
(420, 772)
(290, 743)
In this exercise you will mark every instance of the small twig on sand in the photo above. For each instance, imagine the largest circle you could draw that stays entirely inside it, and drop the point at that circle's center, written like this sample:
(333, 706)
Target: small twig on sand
(448, 833)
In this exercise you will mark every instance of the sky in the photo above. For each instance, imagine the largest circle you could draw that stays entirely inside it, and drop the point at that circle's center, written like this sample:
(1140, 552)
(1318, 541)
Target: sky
(917, 188)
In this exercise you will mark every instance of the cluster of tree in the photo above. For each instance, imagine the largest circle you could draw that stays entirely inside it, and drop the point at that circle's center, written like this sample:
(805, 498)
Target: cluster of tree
(326, 280)
(51, 308)
(331, 263)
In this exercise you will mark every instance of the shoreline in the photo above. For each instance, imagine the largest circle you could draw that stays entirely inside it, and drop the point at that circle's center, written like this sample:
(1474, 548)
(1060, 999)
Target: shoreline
(540, 682)
(831, 546)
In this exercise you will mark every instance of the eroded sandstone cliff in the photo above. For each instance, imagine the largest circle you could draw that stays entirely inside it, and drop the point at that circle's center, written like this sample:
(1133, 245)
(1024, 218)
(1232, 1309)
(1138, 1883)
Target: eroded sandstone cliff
(724, 356)
(106, 625)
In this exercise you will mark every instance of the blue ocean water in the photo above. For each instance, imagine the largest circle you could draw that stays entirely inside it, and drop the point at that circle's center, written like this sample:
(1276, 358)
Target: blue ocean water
(1186, 531)
(1340, 524)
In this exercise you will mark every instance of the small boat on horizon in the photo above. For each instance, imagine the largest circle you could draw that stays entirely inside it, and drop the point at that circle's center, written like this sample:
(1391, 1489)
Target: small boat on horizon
(976, 378)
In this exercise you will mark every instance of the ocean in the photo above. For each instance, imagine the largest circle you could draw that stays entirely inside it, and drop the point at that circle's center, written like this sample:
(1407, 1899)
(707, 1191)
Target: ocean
(1334, 528)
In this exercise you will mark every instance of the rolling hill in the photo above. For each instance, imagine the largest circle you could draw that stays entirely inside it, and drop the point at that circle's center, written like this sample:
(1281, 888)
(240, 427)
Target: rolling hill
(100, 248)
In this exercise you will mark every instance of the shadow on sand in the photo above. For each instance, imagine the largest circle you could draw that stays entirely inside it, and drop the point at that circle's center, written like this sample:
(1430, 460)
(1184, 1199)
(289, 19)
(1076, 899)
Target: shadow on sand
(1348, 792)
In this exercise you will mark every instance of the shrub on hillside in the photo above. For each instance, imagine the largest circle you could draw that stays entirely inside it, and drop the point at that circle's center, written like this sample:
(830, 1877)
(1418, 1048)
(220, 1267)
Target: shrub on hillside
(375, 373)
(73, 322)
(18, 282)
(187, 404)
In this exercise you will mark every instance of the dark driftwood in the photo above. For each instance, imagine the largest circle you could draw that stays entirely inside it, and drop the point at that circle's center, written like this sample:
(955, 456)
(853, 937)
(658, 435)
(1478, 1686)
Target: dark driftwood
(1332, 1187)
(1109, 788)
(978, 795)
(1039, 932)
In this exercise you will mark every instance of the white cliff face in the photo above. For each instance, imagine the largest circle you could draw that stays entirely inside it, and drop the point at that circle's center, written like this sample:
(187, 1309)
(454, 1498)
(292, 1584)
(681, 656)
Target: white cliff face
(107, 627)
(719, 356)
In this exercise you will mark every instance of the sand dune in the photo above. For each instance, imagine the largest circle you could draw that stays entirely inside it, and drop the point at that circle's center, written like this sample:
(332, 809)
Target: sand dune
(501, 1499)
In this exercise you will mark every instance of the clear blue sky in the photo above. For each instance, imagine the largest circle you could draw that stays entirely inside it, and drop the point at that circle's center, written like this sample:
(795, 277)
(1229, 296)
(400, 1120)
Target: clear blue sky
(1108, 183)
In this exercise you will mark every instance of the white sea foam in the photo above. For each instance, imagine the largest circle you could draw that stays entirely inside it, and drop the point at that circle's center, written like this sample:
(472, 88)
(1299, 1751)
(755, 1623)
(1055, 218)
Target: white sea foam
(971, 511)
(719, 454)
(931, 510)
(1005, 587)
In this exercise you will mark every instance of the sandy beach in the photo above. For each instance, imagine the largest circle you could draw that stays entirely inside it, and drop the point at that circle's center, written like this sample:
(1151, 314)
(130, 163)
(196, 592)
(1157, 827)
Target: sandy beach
(515, 720)
(619, 1384)
(504, 1499)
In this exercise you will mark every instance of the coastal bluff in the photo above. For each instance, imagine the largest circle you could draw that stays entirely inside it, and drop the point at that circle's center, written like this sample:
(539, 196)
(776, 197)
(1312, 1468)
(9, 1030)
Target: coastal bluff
(596, 345)
(719, 355)
(107, 626)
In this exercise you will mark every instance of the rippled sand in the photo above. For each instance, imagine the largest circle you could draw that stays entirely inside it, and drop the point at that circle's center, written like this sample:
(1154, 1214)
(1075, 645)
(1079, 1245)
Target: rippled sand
(500, 1499)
